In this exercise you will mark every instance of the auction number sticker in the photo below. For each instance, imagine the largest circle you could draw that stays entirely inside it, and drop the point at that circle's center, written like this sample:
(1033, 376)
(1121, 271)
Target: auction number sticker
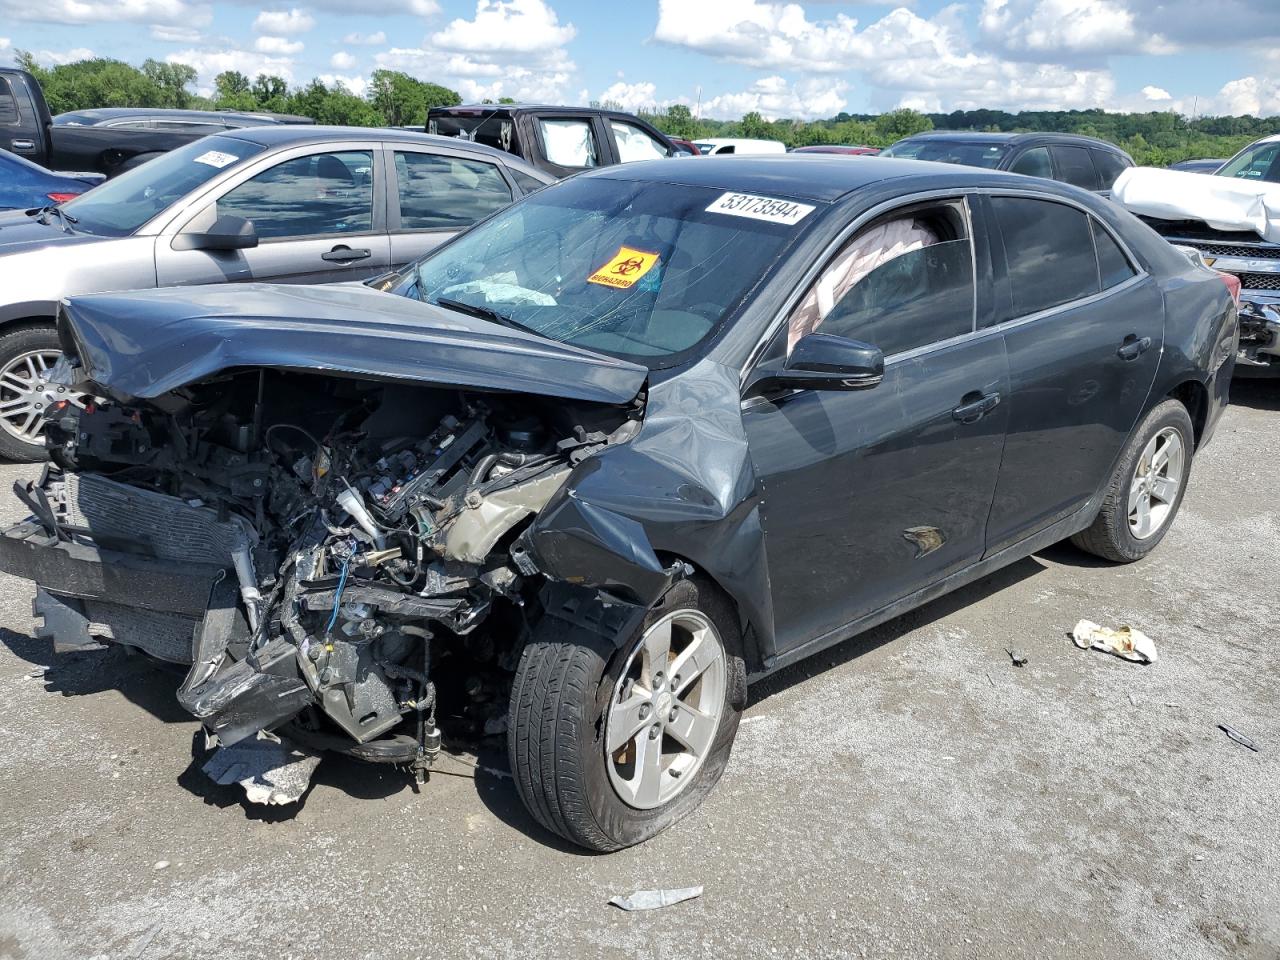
(624, 269)
(760, 208)
(216, 158)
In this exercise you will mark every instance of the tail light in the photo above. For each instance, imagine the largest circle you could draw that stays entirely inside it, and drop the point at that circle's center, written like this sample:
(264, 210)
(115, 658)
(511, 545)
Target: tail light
(61, 197)
(1233, 285)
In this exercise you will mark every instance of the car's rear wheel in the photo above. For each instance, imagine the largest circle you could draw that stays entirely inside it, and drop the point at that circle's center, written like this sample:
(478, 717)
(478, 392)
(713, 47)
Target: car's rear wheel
(27, 354)
(1146, 489)
(610, 745)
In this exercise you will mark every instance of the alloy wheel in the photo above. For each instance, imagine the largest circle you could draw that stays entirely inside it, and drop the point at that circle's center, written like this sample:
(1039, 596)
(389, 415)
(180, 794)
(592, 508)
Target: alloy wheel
(1158, 477)
(26, 393)
(665, 709)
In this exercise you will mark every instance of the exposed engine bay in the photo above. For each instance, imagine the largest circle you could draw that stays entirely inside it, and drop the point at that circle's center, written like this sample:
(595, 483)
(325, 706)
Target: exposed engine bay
(360, 543)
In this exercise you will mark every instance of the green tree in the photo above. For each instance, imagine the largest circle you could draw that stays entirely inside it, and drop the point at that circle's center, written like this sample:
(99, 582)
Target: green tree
(270, 92)
(335, 105)
(171, 80)
(900, 123)
(99, 82)
(404, 100)
(678, 122)
(754, 126)
(231, 91)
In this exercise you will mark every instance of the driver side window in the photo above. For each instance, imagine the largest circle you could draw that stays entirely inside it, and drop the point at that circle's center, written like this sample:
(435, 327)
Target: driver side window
(905, 281)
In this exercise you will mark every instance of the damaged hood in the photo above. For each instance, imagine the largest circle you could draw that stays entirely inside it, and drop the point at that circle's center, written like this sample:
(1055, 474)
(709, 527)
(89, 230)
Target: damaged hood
(1224, 203)
(147, 343)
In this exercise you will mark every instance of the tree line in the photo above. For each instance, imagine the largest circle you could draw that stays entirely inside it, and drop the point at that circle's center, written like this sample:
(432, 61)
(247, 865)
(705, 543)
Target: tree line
(393, 98)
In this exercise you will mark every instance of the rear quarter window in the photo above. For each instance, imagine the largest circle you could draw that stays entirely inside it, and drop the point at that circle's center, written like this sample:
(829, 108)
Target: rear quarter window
(1110, 166)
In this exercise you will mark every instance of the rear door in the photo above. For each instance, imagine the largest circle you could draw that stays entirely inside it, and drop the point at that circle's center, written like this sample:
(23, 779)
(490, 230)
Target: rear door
(20, 131)
(319, 212)
(433, 194)
(871, 495)
(1084, 328)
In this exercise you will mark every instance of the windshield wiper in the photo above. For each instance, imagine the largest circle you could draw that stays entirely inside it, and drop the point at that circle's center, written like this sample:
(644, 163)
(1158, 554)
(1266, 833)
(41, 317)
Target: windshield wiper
(66, 218)
(483, 313)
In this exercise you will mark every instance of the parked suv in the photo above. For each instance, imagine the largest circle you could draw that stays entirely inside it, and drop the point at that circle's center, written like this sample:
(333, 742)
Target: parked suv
(298, 204)
(1081, 161)
(559, 140)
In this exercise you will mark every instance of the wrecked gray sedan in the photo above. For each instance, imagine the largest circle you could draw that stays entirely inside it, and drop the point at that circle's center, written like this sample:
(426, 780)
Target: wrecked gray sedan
(581, 472)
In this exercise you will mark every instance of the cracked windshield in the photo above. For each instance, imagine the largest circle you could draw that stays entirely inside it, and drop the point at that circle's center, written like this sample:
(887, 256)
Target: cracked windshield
(637, 270)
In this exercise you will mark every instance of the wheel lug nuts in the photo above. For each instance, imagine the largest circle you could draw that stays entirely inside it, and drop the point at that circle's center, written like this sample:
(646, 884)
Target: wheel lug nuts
(671, 717)
(644, 711)
(654, 731)
(675, 681)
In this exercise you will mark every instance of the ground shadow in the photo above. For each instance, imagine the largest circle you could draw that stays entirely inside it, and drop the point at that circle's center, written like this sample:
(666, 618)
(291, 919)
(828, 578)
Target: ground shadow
(1256, 392)
(146, 683)
(876, 637)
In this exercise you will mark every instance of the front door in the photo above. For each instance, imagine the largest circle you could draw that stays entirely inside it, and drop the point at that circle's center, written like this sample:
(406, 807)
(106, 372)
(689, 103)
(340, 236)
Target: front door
(318, 215)
(1084, 331)
(871, 495)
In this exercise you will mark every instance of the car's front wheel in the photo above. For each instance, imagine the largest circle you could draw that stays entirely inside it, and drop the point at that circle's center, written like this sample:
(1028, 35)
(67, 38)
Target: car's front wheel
(27, 354)
(609, 744)
(1146, 489)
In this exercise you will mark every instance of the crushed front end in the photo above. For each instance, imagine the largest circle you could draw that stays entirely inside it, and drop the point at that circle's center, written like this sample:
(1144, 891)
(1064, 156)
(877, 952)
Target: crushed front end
(338, 560)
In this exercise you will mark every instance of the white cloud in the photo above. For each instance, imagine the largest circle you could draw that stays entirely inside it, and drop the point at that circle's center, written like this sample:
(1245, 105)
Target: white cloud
(354, 84)
(512, 48)
(1065, 28)
(905, 59)
(99, 11)
(632, 97)
(54, 58)
(1259, 96)
(342, 60)
(278, 45)
(175, 34)
(1156, 94)
(774, 97)
(515, 26)
(366, 39)
(209, 63)
(283, 22)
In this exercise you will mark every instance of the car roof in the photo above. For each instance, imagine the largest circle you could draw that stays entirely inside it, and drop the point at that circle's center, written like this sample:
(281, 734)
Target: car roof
(289, 135)
(101, 114)
(975, 136)
(810, 177)
(500, 108)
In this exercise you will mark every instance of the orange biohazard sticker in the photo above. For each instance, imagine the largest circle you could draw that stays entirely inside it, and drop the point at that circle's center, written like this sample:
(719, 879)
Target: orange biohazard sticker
(625, 268)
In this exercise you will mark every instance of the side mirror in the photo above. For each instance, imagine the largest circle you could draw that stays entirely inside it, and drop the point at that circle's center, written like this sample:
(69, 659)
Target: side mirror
(225, 233)
(820, 361)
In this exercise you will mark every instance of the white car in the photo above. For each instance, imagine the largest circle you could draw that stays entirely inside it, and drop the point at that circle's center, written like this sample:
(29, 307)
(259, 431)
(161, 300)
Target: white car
(722, 145)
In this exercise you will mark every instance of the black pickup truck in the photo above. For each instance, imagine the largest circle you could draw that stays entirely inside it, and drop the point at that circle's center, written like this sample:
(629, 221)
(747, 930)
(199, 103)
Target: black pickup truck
(559, 140)
(107, 141)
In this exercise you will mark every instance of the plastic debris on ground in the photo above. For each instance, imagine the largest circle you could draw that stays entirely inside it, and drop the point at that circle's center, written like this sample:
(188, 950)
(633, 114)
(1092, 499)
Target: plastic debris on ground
(1126, 643)
(1238, 737)
(271, 771)
(655, 899)
(1018, 657)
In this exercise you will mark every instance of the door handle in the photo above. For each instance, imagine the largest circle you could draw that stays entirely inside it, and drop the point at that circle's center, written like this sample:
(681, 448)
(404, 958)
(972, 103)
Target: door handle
(973, 410)
(344, 254)
(1133, 347)
(24, 144)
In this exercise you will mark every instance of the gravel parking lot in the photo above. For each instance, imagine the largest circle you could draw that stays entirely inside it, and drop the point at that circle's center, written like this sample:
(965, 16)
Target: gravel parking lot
(910, 793)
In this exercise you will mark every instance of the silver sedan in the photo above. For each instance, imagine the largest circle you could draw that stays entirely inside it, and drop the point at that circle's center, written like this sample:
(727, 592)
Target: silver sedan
(287, 204)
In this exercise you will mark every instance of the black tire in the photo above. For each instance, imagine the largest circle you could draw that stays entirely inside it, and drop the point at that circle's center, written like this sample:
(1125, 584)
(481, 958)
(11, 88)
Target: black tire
(555, 733)
(1109, 536)
(13, 343)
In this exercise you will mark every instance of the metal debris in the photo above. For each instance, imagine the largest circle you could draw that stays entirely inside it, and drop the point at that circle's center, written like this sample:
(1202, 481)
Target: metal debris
(271, 771)
(1126, 643)
(1238, 737)
(655, 899)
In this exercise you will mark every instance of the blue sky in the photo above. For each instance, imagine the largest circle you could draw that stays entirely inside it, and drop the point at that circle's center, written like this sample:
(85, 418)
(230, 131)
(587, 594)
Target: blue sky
(806, 60)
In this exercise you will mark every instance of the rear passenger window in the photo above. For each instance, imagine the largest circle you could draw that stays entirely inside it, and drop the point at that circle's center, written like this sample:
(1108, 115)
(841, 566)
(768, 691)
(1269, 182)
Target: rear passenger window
(900, 284)
(1075, 167)
(1110, 165)
(1113, 266)
(8, 105)
(569, 143)
(438, 191)
(1049, 249)
(1034, 163)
